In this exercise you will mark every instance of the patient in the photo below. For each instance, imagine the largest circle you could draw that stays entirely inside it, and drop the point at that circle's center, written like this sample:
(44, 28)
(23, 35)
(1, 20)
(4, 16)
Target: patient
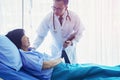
(32, 59)
(35, 64)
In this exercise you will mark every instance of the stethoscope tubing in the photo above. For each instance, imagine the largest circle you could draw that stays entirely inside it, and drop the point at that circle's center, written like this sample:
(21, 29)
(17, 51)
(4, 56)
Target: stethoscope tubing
(67, 17)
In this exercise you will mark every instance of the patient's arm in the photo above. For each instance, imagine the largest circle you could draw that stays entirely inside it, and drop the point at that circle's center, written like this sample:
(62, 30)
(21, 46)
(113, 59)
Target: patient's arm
(52, 63)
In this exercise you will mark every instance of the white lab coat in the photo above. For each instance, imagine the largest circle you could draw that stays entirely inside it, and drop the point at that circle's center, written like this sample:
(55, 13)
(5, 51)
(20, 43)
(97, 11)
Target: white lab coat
(60, 33)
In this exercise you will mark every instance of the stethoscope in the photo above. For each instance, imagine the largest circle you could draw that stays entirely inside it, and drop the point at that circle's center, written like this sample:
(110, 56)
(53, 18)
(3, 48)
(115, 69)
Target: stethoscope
(67, 17)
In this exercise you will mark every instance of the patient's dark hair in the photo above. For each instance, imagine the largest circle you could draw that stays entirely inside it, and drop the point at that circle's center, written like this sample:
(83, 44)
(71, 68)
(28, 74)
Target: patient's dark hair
(65, 1)
(15, 36)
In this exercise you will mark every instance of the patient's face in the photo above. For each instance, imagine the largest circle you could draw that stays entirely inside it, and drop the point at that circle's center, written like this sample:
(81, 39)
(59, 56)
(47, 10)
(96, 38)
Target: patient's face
(25, 42)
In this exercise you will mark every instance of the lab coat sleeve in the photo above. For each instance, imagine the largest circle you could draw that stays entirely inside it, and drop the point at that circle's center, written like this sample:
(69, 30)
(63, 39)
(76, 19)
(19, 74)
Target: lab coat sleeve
(41, 33)
(78, 29)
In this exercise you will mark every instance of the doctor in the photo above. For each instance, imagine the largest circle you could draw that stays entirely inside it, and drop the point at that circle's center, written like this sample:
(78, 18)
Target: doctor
(62, 24)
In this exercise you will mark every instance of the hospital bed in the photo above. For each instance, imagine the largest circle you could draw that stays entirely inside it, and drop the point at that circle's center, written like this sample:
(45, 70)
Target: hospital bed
(10, 70)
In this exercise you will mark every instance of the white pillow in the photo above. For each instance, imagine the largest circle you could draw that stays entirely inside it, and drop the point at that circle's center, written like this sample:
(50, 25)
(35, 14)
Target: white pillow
(9, 54)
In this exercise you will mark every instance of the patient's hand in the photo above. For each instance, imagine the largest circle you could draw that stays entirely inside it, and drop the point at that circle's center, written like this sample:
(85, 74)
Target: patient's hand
(51, 63)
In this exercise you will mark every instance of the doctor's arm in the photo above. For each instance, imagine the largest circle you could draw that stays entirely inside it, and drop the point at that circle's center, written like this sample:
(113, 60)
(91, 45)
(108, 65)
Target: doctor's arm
(76, 35)
(41, 33)
(78, 30)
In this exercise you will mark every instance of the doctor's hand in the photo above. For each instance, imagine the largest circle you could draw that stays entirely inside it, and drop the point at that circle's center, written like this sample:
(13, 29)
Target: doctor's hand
(67, 43)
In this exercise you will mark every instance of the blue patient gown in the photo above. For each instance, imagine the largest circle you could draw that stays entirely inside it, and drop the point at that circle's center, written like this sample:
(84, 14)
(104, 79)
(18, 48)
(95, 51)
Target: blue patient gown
(33, 62)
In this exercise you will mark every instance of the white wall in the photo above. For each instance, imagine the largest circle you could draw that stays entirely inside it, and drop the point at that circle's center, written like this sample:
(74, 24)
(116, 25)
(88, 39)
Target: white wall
(101, 40)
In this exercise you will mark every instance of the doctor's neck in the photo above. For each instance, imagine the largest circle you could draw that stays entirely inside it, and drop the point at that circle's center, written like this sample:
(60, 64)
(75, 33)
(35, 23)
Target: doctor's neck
(60, 14)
